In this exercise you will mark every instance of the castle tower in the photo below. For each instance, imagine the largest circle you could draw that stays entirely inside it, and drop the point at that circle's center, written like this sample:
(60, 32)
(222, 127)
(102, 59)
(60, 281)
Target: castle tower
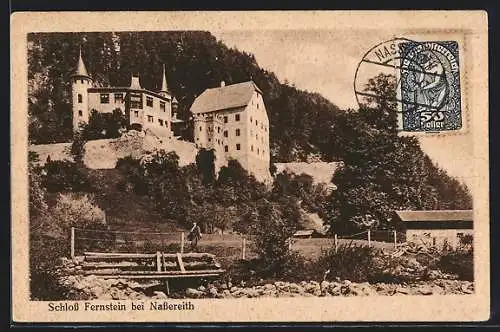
(80, 82)
(164, 87)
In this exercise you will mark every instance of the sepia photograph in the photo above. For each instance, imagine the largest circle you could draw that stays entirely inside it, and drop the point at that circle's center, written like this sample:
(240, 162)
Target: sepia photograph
(169, 169)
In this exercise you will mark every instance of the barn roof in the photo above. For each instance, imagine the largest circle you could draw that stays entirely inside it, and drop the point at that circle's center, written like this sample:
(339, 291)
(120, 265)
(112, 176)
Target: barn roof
(435, 215)
(224, 97)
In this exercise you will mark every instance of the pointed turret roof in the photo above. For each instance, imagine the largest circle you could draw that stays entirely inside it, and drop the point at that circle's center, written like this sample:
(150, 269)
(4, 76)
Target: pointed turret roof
(164, 87)
(81, 70)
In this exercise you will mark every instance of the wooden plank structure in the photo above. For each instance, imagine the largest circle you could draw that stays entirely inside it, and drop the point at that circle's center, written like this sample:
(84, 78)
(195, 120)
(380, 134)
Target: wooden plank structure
(151, 266)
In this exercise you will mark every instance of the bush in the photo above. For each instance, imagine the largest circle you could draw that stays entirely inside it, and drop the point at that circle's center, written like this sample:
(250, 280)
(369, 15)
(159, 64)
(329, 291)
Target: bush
(352, 262)
(271, 232)
(460, 262)
(64, 175)
(77, 211)
(49, 233)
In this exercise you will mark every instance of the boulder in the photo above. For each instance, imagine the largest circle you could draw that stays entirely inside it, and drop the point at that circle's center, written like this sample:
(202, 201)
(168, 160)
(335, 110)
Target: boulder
(269, 287)
(402, 290)
(160, 295)
(425, 290)
(193, 293)
(213, 291)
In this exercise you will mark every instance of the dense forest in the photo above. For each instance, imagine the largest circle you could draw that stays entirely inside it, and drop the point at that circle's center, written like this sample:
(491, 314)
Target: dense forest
(301, 122)
(382, 171)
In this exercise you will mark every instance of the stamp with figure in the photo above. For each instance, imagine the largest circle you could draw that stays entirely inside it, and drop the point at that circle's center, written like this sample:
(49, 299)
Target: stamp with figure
(430, 86)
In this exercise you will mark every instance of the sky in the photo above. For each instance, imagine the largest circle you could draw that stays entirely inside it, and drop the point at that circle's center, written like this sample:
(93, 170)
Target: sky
(325, 61)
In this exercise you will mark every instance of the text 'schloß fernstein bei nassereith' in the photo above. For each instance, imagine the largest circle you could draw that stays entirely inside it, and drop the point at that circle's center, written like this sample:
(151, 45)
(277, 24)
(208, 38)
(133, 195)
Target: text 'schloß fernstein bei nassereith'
(118, 306)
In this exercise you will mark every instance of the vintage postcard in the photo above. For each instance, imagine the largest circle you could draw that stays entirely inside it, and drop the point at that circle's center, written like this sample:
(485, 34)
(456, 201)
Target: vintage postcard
(313, 166)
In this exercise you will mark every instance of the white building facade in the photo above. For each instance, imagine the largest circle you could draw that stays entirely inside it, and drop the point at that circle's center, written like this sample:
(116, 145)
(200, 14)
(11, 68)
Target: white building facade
(143, 108)
(232, 120)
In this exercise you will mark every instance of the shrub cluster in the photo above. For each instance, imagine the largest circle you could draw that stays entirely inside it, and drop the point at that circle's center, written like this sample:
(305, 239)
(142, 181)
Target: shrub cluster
(64, 175)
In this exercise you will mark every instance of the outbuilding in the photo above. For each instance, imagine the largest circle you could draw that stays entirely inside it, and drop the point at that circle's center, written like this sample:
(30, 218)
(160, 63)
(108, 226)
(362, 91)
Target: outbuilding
(436, 227)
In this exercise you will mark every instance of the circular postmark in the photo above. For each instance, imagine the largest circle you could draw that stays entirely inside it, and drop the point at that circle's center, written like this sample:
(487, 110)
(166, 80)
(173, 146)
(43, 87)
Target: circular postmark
(382, 59)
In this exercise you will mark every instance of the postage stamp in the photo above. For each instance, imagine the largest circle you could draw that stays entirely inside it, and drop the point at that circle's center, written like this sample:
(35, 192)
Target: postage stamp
(430, 86)
(194, 167)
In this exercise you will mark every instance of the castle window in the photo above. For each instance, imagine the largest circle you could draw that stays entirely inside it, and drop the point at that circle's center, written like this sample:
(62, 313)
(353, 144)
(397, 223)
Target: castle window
(80, 113)
(150, 118)
(257, 105)
(237, 117)
(251, 120)
(136, 100)
(200, 128)
(210, 140)
(256, 123)
(136, 113)
(225, 119)
(226, 148)
(251, 148)
(257, 137)
(104, 98)
(80, 98)
(261, 126)
(119, 98)
(82, 81)
(225, 133)
(166, 123)
(257, 150)
(161, 122)
(237, 132)
(218, 130)
(238, 147)
(149, 101)
(162, 106)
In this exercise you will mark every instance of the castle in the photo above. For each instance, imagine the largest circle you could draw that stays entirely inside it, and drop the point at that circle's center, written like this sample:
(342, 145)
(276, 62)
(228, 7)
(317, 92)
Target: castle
(232, 120)
(144, 109)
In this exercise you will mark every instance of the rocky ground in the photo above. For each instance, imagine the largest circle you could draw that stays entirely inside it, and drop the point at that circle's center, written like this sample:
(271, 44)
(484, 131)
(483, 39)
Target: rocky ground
(92, 287)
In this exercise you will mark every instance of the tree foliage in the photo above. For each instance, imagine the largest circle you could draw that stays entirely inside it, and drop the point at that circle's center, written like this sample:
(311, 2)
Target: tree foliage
(384, 171)
(105, 125)
(64, 176)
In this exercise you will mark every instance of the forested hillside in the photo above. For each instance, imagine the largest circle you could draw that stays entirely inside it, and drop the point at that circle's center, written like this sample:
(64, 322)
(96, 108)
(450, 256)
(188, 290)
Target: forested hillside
(383, 171)
(301, 122)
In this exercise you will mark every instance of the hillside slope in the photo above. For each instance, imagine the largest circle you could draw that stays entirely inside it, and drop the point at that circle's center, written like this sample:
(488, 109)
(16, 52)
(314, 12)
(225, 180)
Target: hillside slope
(104, 153)
(126, 211)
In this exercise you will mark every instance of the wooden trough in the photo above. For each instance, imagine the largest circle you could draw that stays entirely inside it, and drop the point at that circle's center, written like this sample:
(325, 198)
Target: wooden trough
(151, 266)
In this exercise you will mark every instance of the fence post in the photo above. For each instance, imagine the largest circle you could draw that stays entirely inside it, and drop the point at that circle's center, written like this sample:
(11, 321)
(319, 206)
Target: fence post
(335, 242)
(243, 249)
(158, 262)
(72, 243)
(182, 242)
(395, 239)
(369, 238)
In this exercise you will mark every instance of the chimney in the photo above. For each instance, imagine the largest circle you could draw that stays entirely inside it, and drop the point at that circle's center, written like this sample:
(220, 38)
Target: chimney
(222, 84)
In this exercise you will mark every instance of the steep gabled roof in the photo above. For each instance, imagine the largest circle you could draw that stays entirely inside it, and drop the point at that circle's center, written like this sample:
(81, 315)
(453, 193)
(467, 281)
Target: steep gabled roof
(435, 215)
(225, 97)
